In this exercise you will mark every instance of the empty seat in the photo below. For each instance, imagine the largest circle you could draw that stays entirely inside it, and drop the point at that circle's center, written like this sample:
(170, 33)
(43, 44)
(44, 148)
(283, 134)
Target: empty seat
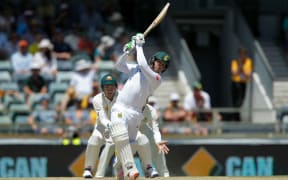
(18, 110)
(78, 56)
(57, 98)
(9, 86)
(6, 123)
(5, 76)
(6, 66)
(64, 65)
(55, 87)
(5, 119)
(8, 100)
(21, 118)
(64, 76)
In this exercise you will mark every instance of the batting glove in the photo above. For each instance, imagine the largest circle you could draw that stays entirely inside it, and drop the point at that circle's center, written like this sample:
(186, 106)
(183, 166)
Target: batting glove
(139, 39)
(129, 47)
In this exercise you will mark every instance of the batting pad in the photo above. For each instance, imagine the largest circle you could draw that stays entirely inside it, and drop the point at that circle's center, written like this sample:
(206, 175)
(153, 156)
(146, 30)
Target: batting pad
(120, 137)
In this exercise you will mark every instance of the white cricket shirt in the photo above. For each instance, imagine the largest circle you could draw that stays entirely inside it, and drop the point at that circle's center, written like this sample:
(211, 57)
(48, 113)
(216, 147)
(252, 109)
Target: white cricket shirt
(141, 83)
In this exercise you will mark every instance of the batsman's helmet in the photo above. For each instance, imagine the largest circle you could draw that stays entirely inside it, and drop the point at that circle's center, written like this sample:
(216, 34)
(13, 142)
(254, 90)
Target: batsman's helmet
(108, 79)
(161, 56)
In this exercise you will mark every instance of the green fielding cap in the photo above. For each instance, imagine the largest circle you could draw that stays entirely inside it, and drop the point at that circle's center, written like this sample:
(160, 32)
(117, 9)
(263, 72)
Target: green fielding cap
(108, 79)
(197, 85)
(163, 56)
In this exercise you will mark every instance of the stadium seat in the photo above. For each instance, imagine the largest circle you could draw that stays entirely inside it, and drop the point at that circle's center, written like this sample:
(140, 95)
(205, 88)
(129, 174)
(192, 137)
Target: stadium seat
(21, 118)
(79, 55)
(6, 124)
(2, 109)
(34, 99)
(18, 110)
(64, 76)
(56, 87)
(5, 119)
(57, 98)
(64, 65)
(5, 76)
(9, 100)
(9, 86)
(105, 67)
(5, 65)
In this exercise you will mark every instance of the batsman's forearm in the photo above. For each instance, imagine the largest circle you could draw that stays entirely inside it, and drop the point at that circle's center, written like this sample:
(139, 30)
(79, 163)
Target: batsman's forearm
(121, 65)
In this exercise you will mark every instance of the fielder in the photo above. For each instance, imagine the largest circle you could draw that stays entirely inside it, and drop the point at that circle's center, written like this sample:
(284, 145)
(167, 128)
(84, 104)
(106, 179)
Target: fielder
(150, 127)
(102, 104)
(127, 111)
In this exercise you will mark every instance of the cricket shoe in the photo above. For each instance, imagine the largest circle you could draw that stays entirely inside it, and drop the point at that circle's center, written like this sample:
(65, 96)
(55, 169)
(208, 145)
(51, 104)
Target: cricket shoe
(151, 173)
(133, 175)
(87, 173)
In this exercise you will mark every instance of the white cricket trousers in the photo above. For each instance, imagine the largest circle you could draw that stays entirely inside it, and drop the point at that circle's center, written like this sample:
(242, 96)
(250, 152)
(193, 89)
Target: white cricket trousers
(130, 117)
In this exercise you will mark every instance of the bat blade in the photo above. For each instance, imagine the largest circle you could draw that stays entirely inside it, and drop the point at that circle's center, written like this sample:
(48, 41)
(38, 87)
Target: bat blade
(158, 19)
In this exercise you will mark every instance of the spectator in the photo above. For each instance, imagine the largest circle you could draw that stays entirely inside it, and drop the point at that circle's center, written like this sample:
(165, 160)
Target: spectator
(11, 45)
(35, 83)
(173, 117)
(190, 101)
(65, 17)
(87, 101)
(69, 99)
(92, 20)
(196, 104)
(196, 100)
(83, 78)
(73, 38)
(105, 51)
(43, 120)
(85, 44)
(79, 118)
(62, 50)
(33, 47)
(47, 59)
(115, 24)
(21, 61)
(241, 71)
(3, 41)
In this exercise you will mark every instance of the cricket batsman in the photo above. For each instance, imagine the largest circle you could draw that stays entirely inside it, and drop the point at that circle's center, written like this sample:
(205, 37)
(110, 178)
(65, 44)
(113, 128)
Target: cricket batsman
(127, 111)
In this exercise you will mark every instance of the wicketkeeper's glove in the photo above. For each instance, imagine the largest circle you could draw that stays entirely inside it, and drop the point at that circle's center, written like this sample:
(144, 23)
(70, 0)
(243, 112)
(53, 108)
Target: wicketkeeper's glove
(139, 39)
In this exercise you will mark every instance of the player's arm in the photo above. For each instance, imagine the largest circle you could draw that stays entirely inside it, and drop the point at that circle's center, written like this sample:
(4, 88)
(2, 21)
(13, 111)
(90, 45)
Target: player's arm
(147, 71)
(121, 64)
(154, 121)
(99, 108)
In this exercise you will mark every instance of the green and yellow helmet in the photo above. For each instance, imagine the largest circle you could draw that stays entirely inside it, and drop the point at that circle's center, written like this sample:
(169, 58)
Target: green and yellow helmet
(161, 56)
(108, 79)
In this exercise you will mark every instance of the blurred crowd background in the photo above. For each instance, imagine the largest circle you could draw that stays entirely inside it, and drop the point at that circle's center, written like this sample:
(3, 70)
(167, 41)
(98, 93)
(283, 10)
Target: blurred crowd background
(53, 54)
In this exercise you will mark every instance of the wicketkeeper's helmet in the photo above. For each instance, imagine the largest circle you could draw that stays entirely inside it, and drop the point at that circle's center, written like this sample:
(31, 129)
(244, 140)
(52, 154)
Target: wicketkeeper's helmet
(108, 79)
(161, 56)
